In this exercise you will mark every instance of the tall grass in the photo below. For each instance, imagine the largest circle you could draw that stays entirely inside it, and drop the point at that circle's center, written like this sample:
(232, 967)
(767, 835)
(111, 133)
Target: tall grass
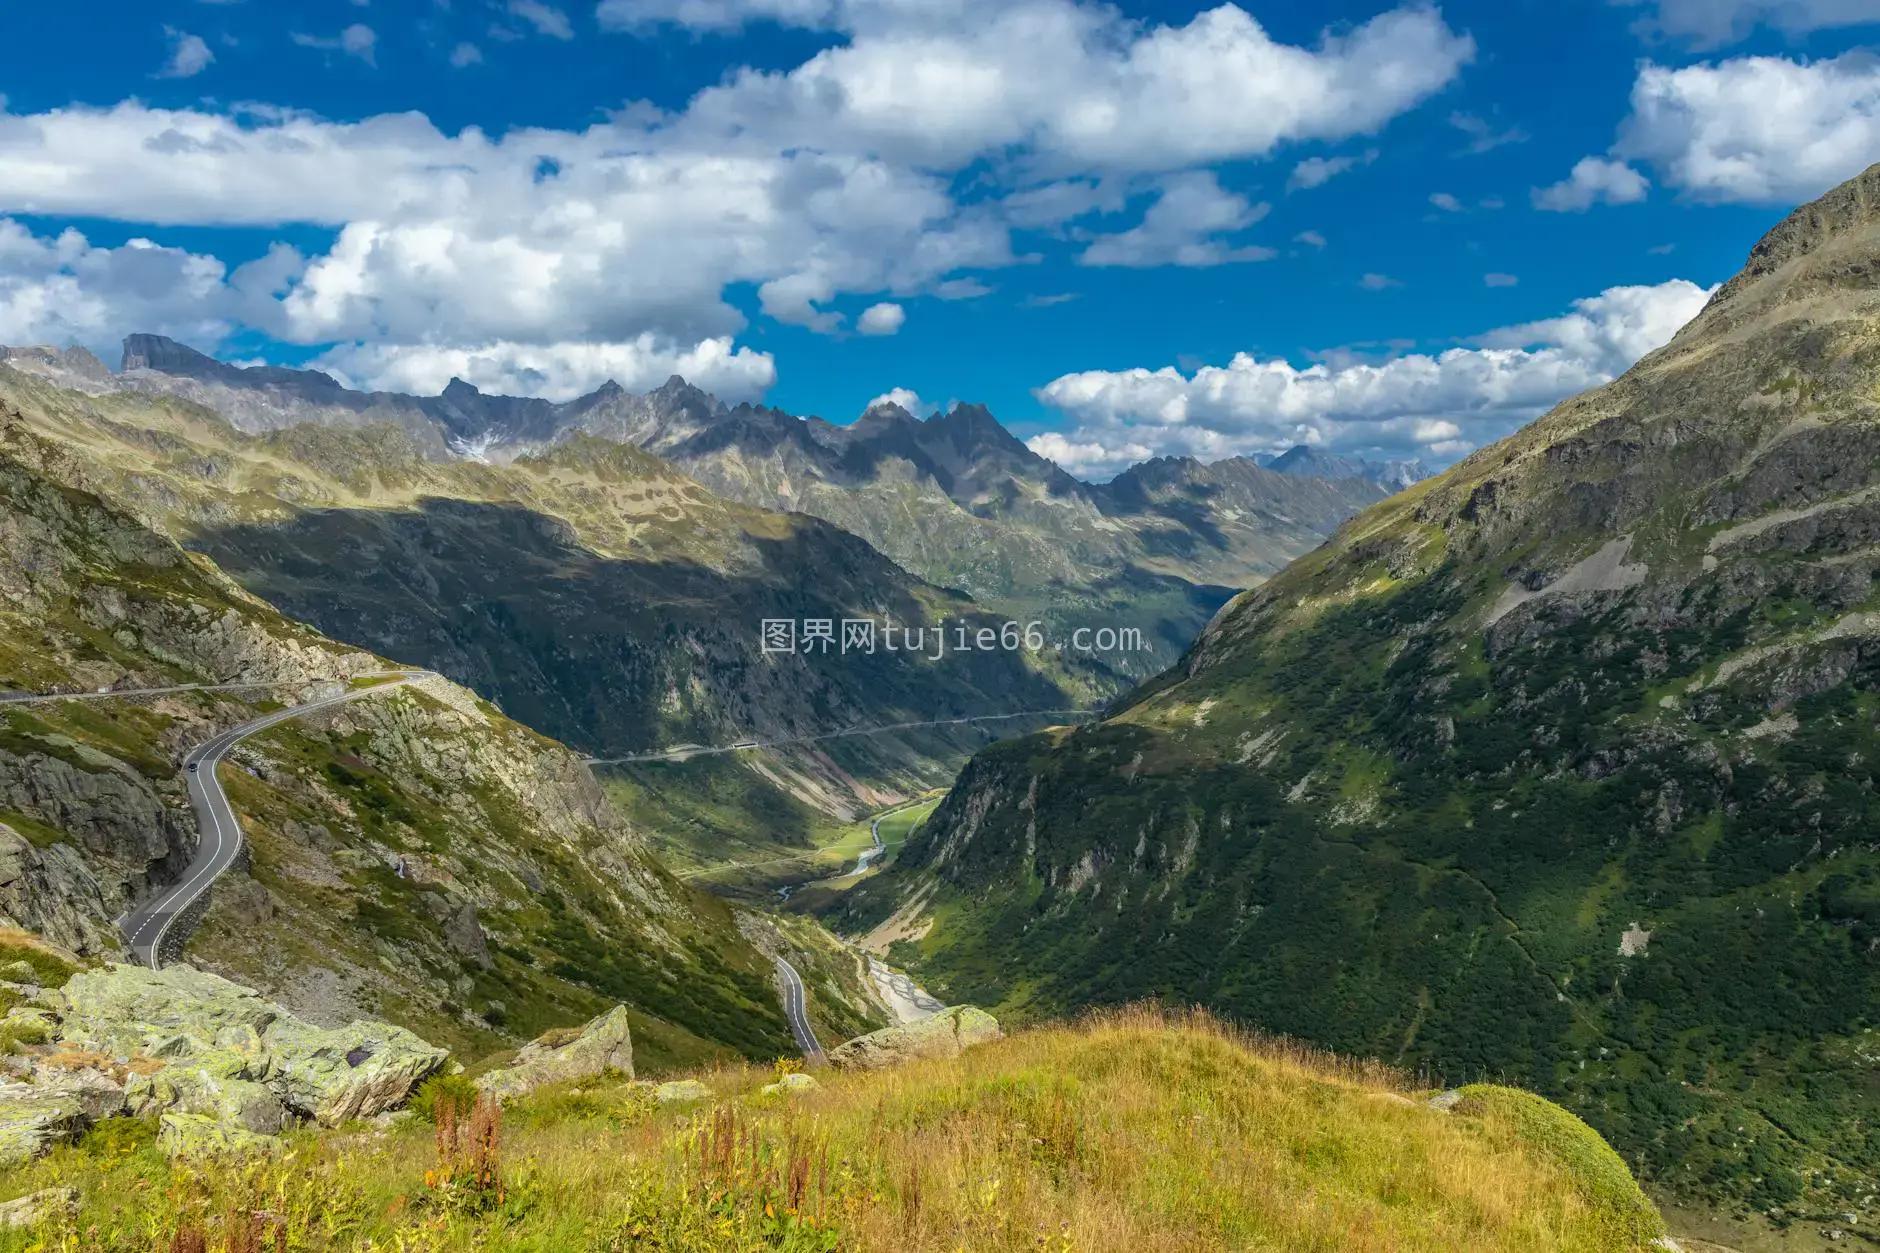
(1136, 1130)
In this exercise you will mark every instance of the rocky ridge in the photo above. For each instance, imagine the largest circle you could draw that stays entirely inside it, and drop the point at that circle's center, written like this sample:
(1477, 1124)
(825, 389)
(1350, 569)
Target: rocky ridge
(956, 499)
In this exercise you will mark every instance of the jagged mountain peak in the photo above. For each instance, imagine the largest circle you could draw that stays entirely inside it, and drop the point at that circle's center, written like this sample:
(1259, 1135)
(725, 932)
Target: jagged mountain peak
(457, 387)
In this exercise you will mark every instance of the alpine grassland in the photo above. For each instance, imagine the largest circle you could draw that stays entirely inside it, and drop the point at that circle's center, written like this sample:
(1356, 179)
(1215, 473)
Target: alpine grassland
(1138, 1130)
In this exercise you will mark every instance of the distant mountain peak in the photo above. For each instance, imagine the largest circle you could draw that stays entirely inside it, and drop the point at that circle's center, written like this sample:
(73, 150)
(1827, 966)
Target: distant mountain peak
(160, 352)
(1304, 461)
(457, 387)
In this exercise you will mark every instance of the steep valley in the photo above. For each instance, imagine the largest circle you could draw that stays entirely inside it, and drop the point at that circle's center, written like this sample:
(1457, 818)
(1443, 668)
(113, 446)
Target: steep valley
(1558, 767)
(414, 855)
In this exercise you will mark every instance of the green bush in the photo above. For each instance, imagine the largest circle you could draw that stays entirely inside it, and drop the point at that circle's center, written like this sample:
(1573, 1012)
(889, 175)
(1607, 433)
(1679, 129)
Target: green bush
(438, 1090)
(1597, 1170)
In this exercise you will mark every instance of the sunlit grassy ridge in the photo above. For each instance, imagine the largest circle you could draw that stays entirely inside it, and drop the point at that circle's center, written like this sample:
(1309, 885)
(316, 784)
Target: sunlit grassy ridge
(1132, 1131)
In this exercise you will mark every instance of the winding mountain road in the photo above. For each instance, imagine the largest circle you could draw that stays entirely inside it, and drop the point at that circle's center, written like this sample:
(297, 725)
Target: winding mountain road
(221, 833)
(685, 752)
(111, 693)
(795, 1008)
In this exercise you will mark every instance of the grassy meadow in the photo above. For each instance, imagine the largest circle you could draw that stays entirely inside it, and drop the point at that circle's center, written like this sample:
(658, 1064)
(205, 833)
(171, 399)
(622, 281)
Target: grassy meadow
(1132, 1131)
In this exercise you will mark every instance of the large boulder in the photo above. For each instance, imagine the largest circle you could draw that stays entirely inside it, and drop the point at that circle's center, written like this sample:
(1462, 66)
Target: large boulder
(233, 1055)
(357, 1071)
(791, 1084)
(605, 1044)
(175, 1012)
(947, 1034)
(33, 1121)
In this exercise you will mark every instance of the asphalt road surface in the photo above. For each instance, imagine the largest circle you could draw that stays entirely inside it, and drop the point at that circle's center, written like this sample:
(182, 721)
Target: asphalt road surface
(794, 1009)
(221, 832)
(685, 752)
(111, 693)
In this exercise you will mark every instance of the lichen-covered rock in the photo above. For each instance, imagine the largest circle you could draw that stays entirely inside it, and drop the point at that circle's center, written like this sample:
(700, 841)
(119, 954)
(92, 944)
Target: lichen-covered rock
(605, 1044)
(356, 1071)
(791, 1084)
(236, 1056)
(31, 1122)
(681, 1090)
(99, 1096)
(947, 1034)
(175, 1012)
(199, 1135)
(19, 972)
(39, 1207)
(221, 1084)
(30, 1025)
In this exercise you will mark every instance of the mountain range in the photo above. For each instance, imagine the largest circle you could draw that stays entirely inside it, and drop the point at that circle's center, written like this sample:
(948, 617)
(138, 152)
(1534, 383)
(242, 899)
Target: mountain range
(1307, 462)
(956, 500)
(1563, 765)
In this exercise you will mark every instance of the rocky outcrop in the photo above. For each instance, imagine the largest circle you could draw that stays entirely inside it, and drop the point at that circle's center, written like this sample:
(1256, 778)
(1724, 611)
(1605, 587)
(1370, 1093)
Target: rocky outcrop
(52, 893)
(203, 1048)
(946, 1035)
(604, 1045)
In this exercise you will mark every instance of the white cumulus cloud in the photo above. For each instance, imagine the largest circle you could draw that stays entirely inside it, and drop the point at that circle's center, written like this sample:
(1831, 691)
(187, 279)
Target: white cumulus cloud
(885, 318)
(62, 290)
(1183, 227)
(546, 18)
(907, 399)
(555, 371)
(189, 55)
(1756, 129)
(1437, 406)
(1594, 180)
(1752, 130)
(1078, 87)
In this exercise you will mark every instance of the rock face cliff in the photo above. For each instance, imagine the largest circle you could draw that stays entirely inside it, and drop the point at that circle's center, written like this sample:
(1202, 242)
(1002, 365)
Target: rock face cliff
(1561, 765)
(414, 856)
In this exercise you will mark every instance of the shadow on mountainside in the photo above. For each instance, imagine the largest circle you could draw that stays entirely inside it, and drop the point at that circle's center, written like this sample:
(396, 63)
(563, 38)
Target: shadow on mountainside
(613, 655)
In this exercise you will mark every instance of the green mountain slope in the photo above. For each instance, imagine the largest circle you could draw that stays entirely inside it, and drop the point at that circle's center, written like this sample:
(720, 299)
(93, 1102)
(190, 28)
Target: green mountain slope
(591, 591)
(1560, 767)
(413, 855)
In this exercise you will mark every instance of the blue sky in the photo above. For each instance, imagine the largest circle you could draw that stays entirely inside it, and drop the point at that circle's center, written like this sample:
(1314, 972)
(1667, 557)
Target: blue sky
(1155, 228)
